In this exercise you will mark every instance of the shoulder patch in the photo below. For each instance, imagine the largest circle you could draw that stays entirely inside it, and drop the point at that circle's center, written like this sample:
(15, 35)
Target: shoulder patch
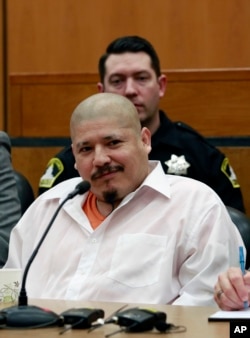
(229, 172)
(53, 170)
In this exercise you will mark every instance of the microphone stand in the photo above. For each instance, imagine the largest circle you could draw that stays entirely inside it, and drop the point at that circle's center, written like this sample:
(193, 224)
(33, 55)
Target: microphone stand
(30, 316)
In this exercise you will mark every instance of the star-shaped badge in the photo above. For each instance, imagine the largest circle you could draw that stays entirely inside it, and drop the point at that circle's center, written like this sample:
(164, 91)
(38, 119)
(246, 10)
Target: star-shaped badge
(177, 165)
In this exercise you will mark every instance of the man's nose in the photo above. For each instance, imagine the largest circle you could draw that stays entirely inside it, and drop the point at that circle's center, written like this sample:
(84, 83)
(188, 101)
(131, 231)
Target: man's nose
(130, 87)
(101, 156)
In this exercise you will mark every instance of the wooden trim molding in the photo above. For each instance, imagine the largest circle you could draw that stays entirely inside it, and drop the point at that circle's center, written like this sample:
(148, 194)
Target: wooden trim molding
(216, 102)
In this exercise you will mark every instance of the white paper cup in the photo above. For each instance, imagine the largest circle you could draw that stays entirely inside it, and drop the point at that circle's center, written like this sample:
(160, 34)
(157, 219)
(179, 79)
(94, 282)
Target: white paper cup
(10, 282)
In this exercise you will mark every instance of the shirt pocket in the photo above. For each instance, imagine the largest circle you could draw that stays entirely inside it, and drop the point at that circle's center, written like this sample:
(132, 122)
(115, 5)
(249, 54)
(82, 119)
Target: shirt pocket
(137, 259)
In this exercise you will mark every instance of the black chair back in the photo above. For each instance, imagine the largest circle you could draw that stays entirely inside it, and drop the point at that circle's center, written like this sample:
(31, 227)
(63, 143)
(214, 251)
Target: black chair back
(242, 221)
(25, 191)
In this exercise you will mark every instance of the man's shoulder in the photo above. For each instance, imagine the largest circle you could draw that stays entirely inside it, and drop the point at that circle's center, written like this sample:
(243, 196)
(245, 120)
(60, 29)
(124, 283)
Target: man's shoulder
(184, 136)
(4, 139)
(65, 154)
(186, 128)
(188, 184)
(180, 128)
(192, 137)
(3, 135)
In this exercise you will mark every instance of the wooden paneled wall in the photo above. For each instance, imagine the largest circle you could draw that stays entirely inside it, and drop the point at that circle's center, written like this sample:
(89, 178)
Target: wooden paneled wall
(68, 36)
(215, 102)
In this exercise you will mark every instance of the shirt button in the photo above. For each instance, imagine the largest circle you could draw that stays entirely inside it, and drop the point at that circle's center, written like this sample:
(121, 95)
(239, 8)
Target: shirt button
(93, 240)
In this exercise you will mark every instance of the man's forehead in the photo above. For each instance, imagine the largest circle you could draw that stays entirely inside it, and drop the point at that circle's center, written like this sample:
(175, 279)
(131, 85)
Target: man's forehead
(100, 136)
(128, 62)
(108, 121)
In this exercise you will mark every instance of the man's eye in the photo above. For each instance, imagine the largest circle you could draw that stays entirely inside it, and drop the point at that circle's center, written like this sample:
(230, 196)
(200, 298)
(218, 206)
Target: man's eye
(114, 142)
(143, 78)
(116, 81)
(84, 149)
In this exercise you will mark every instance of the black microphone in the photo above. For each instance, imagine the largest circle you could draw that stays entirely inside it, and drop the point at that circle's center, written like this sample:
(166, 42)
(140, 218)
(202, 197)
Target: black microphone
(29, 316)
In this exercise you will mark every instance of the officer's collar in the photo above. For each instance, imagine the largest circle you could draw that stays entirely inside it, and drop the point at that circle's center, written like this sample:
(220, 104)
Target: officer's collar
(166, 133)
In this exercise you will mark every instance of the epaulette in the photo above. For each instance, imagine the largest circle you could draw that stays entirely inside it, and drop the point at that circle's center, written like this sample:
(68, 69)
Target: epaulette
(186, 127)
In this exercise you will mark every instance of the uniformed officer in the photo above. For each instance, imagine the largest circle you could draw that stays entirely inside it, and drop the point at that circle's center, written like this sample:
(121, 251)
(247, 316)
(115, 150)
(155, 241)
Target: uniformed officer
(131, 67)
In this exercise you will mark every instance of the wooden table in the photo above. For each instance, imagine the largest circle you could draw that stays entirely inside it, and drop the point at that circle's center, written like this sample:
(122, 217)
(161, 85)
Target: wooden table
(195, 319)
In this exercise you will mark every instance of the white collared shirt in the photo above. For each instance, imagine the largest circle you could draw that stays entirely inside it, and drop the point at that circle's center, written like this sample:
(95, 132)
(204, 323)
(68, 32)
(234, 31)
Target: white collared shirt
(165, 243)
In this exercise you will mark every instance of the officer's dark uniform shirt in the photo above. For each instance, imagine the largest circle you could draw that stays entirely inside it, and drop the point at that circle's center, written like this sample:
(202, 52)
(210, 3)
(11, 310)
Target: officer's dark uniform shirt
(181, 150)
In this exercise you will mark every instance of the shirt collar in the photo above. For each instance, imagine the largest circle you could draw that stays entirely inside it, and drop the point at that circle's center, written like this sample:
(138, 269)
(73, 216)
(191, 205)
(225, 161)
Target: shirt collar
(156, 180)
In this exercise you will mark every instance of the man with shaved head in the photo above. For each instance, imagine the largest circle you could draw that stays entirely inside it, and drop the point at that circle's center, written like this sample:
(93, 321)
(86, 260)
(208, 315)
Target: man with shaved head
(138, 236)
(123, 132)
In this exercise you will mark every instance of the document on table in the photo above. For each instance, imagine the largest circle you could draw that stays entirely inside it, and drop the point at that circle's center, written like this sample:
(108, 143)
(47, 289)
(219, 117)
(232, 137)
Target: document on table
(229, 315)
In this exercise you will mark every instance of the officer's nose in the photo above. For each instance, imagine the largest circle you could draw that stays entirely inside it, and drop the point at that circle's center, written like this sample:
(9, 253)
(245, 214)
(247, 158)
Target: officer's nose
(130, 88)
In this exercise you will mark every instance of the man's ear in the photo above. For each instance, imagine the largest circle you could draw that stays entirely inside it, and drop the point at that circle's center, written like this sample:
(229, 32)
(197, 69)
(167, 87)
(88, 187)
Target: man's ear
(162, 80)
(100, 87)
(146, 139)
(75, 166)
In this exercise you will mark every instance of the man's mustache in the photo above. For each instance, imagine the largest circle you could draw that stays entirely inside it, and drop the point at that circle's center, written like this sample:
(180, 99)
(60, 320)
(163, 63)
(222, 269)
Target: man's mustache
(107, 169)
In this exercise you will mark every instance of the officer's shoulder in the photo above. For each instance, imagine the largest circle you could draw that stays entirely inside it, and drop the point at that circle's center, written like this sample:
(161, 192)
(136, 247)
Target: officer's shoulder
(65, 154)
(191, 134)
(188, 129)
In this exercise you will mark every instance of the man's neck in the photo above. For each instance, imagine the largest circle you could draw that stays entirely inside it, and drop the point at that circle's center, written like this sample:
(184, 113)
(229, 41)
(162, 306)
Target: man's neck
(106, 208)
(152, 124)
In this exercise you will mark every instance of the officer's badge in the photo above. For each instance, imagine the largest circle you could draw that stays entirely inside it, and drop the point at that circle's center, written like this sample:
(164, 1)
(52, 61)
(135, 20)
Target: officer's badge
(53, 170)
(177, 165)
(229, 172)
